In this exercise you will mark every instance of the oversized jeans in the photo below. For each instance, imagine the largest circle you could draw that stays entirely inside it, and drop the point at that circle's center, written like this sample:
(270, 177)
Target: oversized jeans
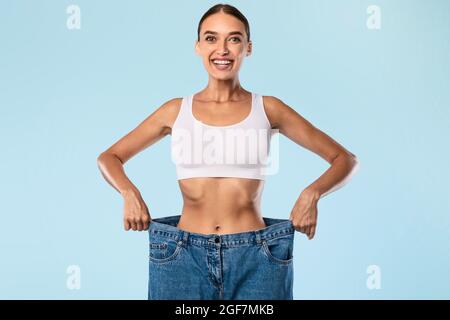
(248, 265)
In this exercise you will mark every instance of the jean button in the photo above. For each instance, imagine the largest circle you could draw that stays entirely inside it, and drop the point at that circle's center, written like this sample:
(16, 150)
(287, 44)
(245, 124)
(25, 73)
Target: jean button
(217, 240)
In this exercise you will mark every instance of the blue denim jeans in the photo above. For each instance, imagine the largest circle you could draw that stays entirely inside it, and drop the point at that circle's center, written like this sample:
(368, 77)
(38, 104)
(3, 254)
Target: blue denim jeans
(254, 265)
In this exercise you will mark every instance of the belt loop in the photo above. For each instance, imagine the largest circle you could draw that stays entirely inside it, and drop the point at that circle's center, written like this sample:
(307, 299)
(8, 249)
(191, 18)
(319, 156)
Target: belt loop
(258, 236)
(185, 236)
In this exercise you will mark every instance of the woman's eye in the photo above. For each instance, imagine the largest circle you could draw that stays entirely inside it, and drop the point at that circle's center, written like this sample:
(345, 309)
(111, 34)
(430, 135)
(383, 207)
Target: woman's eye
(235, 39)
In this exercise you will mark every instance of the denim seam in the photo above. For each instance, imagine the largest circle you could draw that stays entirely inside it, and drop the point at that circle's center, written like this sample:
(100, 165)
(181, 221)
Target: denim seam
(275, 259)
(166, 234)
(165, 260)
(276, 237)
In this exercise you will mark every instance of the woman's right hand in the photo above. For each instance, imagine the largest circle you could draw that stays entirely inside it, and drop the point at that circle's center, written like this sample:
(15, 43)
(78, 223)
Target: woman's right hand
(135, 215)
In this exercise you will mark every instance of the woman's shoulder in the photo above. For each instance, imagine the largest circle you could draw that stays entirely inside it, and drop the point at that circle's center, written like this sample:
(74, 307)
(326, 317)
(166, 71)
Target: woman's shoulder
(275, 104)
(173, 103)
(172, 108)
(275, 109)
(167, 112)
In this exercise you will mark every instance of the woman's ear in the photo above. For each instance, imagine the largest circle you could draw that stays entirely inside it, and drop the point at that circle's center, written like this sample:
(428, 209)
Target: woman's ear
(197, 50)
(249, 48)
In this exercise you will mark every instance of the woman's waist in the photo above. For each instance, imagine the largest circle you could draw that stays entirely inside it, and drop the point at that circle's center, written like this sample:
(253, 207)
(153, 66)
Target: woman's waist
(224, 192)
(171, 227)
(220, 220)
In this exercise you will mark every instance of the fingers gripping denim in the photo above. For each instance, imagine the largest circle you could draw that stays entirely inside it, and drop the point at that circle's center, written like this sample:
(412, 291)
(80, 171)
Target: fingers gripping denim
(247, 265)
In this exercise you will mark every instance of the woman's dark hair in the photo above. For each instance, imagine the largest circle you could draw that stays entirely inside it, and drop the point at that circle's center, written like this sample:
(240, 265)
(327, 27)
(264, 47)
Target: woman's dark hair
(228, 9)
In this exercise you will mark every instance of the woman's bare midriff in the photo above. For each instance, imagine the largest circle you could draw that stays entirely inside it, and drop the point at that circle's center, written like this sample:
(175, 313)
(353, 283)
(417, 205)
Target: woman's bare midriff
(221, 205)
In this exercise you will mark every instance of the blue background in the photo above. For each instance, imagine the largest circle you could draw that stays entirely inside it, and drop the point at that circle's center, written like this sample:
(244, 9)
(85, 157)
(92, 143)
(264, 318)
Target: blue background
(66, 95)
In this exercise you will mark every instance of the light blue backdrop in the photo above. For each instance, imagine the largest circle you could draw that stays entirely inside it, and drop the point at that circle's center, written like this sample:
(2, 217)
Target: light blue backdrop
(68, 94)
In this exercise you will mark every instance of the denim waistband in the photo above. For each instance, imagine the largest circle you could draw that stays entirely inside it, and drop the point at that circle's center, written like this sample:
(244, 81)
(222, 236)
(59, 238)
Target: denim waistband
(167, 227)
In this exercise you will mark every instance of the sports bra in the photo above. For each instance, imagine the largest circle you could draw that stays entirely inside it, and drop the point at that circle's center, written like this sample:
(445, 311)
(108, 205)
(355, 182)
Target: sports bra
(239, 150)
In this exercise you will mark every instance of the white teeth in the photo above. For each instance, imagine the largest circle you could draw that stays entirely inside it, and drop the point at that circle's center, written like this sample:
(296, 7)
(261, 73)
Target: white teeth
(221, 61)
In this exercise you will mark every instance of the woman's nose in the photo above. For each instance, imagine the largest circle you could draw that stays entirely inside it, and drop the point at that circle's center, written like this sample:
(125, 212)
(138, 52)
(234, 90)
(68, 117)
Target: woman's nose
(223, 49)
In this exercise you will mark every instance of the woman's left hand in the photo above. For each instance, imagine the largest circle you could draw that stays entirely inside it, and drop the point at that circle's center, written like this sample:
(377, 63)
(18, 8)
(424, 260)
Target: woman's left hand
(304, 213)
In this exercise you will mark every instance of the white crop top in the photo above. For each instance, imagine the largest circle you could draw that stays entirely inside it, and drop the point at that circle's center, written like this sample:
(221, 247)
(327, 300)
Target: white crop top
(238, 150)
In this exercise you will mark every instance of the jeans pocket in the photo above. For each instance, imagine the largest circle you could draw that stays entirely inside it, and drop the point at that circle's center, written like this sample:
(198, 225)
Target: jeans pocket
(163, 249)
(279, 250)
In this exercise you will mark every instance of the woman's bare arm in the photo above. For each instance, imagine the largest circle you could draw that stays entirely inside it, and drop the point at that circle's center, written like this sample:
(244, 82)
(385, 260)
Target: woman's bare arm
(301, 131)
(344, 164)
(152, 129)
(111, 161)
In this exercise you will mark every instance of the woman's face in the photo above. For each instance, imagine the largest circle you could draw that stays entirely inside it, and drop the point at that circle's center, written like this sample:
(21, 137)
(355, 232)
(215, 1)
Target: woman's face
(222, 37)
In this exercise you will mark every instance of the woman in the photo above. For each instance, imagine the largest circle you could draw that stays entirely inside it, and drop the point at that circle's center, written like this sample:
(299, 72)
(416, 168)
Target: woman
(221, 247)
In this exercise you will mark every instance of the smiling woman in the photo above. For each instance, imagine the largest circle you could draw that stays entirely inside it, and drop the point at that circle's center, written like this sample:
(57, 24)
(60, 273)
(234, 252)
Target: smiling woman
(222, 246)
(223, 45)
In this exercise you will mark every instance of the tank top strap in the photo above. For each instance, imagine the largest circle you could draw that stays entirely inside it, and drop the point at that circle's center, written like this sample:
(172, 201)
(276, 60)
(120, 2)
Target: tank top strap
(260, 112)
(182, 118)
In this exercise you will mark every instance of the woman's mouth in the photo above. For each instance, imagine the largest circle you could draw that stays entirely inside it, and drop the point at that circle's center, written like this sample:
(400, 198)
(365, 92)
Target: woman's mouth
(222, 64)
